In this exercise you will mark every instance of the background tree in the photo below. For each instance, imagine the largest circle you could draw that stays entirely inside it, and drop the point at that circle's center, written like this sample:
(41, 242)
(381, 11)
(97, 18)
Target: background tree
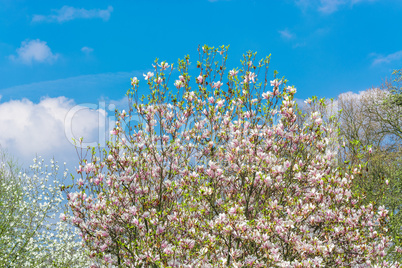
(30, 233)
(395, 88)
(372, 119)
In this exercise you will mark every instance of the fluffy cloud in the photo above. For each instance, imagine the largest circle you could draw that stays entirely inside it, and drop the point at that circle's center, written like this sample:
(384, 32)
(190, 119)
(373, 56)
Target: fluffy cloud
(67, 13)
(34, 50)
(47, 128)
(379, 59)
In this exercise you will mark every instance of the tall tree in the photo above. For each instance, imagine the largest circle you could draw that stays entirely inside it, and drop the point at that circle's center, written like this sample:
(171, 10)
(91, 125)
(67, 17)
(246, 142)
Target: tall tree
(370, 120)
(264, 191)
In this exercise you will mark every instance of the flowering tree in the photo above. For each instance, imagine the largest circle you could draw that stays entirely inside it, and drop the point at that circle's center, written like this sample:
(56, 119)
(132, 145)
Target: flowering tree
(220, 178)
(29, 234)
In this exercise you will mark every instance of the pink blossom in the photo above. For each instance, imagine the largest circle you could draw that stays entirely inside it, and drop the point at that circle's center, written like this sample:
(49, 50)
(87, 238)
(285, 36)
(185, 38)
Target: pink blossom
(160, 229)
(233, 72)
(134, 81)
(164, 65)
(146, 214)
(217, 85)
(291, 90)
(89, 167)
(318, 121)
(107, 259)
(275, 83)
(158, 80)
(232, 210)
(266, 95)
(123, 114)
(250, 77)
(80, 169)
(103, 247)
(62, 217)
(168, 250)
(148, 75)
(212, 165)
(200, 79)
(178, 84)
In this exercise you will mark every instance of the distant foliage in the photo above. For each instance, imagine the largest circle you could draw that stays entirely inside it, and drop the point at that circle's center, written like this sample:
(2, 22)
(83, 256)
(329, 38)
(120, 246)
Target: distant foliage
(31, 234)
(370, 120)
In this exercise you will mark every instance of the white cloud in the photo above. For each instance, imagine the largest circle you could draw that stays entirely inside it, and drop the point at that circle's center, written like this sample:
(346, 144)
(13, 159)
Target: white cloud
(286, 34)
(27, 127)
(67, 13)
(34, 50)
(46, 128)
(379, 59)
(328, 6)
(87, 50)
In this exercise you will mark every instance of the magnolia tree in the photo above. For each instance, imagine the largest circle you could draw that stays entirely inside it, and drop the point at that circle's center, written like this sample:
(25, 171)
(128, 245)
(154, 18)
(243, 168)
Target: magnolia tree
(220, 175)
(30, 234)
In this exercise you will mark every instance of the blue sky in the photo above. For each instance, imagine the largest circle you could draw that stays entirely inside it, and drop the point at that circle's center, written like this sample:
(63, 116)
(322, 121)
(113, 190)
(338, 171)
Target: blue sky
(55, 55)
